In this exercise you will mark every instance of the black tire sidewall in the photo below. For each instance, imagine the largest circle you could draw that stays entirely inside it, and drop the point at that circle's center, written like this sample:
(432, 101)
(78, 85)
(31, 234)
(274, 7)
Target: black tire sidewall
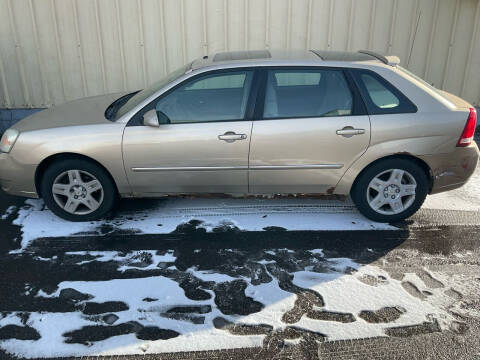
(359, 191)
(51, 173)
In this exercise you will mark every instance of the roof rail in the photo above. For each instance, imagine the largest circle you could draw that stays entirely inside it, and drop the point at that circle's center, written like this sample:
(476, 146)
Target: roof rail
(388, 60)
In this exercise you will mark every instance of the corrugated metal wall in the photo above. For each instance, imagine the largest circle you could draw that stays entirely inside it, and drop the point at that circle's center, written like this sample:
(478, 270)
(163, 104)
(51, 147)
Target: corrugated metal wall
(57, 50)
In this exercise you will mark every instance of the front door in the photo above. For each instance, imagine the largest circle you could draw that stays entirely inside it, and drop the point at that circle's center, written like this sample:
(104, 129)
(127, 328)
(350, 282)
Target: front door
(309, 133)
(204, 146)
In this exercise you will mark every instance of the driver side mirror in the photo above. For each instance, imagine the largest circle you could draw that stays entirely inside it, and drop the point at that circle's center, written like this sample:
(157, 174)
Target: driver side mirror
(154, 118)
(150, 118)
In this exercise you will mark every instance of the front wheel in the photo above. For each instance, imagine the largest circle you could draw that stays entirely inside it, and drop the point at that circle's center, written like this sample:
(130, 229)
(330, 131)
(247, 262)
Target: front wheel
(78, 190)
(390, 190)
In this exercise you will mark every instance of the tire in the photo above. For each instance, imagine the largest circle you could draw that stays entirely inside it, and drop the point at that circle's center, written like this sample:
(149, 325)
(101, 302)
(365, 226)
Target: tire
(383, 182)
(76, 189)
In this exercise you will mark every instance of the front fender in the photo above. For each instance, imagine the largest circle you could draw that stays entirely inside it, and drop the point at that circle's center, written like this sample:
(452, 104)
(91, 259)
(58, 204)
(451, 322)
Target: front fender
(100, 142)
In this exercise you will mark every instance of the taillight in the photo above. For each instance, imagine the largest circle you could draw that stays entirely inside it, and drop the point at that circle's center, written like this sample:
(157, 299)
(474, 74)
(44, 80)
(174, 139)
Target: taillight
(469, 131)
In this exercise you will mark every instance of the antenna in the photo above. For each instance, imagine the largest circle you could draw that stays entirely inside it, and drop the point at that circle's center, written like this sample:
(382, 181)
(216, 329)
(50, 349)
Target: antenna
(414, 37)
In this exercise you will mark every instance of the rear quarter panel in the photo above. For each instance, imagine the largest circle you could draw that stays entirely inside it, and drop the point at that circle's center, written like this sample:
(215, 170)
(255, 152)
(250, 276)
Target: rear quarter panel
(433, 130)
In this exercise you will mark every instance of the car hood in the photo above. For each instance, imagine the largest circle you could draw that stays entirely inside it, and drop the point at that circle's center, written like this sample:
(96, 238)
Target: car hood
(87, 111)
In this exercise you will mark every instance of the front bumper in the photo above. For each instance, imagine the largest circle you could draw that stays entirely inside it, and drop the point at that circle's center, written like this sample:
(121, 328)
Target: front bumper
(451, 171)
(16, 178)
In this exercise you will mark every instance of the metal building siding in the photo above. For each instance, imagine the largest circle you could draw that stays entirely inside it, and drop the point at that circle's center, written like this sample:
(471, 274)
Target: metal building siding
(52, 51)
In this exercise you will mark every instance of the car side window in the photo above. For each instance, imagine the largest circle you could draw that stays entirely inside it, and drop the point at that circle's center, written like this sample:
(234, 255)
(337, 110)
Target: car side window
(301, 93)
(214, 97)
(380, 96)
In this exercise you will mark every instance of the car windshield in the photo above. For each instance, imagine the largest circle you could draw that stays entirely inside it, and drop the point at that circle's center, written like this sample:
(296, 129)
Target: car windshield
(146, 93)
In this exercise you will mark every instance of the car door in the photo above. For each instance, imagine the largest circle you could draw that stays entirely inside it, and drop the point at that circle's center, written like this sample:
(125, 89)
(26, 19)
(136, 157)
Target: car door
(203, 146)
(311, 127)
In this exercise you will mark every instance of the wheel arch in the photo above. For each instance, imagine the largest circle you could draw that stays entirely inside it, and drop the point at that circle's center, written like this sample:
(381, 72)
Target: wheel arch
(40, 170)
(425, 167)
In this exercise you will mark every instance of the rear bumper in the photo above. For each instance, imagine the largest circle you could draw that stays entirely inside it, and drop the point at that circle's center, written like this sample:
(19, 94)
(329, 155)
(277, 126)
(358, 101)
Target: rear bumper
(17, 179)
(451, 171)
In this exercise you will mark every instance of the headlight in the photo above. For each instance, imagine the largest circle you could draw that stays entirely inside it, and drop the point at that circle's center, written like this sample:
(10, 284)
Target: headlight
(8, 139)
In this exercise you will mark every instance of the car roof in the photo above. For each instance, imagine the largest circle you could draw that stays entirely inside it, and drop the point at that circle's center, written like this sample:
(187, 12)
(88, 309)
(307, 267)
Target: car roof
(292, 57)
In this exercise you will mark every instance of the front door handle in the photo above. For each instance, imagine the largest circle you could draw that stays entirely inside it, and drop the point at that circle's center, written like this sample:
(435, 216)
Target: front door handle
(349, 131)
(231, 136)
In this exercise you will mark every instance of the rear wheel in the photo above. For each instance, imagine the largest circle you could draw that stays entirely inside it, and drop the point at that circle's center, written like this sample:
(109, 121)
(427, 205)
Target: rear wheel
(390, 190)
(78, 190)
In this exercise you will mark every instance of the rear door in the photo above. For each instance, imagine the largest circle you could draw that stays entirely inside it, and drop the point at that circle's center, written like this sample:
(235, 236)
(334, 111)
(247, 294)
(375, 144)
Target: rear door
(311, 127)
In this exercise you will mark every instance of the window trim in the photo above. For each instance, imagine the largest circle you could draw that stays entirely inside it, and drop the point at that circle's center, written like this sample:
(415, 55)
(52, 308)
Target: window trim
(358, 105)
(136, 120)
(406, 106)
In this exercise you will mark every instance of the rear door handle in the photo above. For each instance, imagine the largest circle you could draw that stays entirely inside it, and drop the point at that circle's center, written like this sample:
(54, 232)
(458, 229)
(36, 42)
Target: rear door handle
(231, 136)
(349, 131)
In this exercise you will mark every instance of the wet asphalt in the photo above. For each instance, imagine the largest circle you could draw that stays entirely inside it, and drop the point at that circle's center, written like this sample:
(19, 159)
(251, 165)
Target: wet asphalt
(432, 240)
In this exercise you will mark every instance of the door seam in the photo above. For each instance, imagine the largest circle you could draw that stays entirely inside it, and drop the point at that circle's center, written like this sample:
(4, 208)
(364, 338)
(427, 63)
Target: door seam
(123, 161)
(248, 160)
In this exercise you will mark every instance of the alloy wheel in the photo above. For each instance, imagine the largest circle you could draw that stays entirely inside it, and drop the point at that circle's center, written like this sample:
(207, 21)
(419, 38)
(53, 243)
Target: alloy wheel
(77, 192)
(391, 192)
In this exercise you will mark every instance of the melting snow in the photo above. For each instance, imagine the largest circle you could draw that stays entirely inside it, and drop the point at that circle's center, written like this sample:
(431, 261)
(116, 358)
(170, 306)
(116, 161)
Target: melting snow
(341, 293)
(8, 212)
(246, 214)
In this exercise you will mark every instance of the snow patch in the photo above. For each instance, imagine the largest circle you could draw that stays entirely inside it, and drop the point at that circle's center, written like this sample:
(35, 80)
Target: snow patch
(210, 276)
(213, 214)
(317, 252)
(8, 212)
(342, 292)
